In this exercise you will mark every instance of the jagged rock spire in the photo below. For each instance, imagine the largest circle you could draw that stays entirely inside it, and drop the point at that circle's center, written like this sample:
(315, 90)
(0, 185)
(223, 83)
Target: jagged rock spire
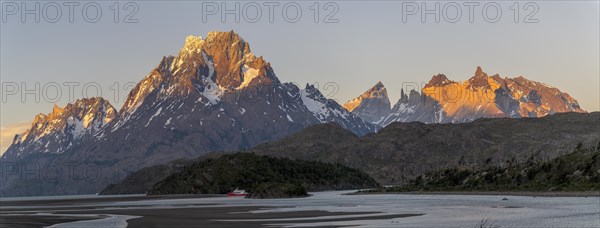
(371, 105)
(438, 80)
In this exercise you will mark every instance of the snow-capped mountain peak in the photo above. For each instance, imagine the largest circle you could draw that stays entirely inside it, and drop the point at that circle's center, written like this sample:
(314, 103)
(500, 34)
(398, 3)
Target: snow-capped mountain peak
(222, 63)
(64, 127)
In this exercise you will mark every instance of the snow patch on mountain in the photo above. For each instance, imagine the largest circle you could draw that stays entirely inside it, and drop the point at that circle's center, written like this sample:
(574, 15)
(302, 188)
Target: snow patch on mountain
(155, 115)
(318, 108)
(212, 91)
(249, 75)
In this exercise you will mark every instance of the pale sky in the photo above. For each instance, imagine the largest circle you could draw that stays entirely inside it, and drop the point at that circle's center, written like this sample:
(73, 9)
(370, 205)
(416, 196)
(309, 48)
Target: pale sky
(369, 43)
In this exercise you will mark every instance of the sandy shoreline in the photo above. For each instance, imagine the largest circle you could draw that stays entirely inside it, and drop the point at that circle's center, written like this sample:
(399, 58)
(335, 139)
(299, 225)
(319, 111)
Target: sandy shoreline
(533, 194)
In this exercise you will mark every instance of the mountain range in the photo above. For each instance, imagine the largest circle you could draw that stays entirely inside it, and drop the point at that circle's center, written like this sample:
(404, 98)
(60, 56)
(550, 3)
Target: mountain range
(215, 95)
(481, 96)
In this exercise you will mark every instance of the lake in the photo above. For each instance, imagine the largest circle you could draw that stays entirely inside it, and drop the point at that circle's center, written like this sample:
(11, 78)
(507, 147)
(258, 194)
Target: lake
(322, 209)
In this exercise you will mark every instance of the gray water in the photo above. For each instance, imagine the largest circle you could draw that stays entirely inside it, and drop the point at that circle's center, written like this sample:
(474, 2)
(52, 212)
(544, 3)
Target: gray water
(438, 210)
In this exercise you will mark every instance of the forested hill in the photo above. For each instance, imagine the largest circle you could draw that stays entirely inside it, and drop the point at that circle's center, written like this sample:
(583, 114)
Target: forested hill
(577, 171)
(249, 171)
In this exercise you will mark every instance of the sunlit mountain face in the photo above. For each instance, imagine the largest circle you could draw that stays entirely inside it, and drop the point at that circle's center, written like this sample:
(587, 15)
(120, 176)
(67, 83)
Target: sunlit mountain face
(481, 96)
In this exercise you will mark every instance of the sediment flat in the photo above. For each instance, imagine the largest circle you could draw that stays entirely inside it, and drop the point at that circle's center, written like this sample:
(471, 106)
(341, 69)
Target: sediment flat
(492, 193)
(41, 213)
(97, 199)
